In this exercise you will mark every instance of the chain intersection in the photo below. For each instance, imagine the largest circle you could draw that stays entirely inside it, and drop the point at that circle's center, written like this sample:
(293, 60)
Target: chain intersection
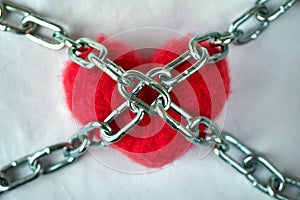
(100, 134)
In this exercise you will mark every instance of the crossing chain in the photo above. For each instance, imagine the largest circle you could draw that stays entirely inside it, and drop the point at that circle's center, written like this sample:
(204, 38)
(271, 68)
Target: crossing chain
(100, 134)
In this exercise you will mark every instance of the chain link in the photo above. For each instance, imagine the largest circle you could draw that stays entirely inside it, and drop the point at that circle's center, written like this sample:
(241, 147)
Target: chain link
(6, 9)
(267, 16)
(13, 166)
(63, 38)
(36, 158)
(210, 36)
(110, 68)
(294, 184)
(38, 38)
(82, 43)
(199, 54)
(174, 123)
(190, 131)
(246, 35)
(85, 138)
(109, 137)
(251, 162)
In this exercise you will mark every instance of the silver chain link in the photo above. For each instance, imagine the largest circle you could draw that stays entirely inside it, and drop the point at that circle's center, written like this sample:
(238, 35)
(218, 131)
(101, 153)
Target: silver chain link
(40, 39)
(271, 16)
(6, 9)
(100, 134)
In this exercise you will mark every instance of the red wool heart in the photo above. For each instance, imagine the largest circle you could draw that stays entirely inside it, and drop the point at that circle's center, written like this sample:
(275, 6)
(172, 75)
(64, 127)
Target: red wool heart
(92, 95)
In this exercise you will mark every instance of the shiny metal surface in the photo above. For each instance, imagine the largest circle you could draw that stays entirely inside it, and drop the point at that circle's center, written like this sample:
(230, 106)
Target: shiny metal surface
(277, 12)
(85, 138)
(86, 42)
(200, 62)
(248, 166)
(12, 167)
(245, 36)
(210, 36)
(254, 160)
(110, 137)
(183, 130)
(35, 158)
(49, 43)
(143, 81)
(6, 9)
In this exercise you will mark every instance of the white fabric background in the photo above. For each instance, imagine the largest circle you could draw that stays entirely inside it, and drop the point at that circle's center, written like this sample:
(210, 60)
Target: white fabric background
(263, 109)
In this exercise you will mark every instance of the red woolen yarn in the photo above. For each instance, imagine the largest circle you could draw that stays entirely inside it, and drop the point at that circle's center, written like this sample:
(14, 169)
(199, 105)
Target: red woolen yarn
(92, 95)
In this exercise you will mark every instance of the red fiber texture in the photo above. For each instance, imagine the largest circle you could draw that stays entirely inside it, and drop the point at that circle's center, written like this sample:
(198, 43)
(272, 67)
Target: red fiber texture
(92, 95)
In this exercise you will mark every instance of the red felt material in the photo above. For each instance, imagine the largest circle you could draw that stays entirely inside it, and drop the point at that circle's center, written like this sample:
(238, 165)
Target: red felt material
(92, 95)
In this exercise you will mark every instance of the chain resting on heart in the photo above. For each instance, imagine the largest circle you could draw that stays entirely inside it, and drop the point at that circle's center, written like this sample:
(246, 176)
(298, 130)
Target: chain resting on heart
(87, 136)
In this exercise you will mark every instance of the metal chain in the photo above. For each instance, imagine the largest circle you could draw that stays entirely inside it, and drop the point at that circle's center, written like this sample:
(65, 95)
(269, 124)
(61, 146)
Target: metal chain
(235, 34)
(86, 137)
(75, 147)
(6, 9)
(38, 163)
(278, 185)
(238, 34)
